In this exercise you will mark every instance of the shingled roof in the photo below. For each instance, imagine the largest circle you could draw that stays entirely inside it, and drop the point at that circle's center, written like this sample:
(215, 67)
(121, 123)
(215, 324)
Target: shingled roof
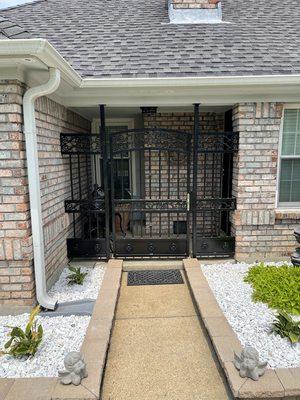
(133, 38)
(11, 30)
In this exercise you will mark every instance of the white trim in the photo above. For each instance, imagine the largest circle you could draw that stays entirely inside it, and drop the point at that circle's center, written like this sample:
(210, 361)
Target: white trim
(284, 206)
(288, 210)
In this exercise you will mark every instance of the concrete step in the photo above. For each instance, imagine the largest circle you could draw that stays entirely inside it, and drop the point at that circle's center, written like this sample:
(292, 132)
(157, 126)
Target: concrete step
(142, 265)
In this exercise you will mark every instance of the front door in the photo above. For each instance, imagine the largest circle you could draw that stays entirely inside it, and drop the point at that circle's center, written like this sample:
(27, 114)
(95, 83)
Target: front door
(152, 217)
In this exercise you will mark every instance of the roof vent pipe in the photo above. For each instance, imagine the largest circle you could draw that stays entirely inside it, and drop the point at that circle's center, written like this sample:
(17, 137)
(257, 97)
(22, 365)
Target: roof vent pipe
(34, 184)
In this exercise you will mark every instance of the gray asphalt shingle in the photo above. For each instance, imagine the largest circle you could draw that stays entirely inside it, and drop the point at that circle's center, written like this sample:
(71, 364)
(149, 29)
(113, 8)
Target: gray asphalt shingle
(133, 38)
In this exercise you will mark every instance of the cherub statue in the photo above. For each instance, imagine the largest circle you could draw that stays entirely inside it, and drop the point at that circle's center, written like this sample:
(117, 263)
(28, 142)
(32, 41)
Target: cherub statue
(248, 363)
(75, 369)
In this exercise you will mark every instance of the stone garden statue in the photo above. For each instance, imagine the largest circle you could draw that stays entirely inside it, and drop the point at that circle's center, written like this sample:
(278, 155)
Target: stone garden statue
(248, 364)
(296, 256)
(75, 369)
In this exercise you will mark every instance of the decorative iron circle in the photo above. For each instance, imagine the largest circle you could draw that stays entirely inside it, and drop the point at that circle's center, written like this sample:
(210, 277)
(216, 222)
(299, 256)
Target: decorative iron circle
(129, 248)
(204, 245)
(151, 248)
(98, 248)
(173, 247)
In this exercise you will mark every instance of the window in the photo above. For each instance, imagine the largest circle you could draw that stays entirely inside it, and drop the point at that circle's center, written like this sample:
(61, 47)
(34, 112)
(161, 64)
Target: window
(122, 168)
(289, 185)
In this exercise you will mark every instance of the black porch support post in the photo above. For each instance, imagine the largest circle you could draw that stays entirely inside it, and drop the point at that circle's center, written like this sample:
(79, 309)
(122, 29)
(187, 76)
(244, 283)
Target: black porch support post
(103, 139)
(196, 143)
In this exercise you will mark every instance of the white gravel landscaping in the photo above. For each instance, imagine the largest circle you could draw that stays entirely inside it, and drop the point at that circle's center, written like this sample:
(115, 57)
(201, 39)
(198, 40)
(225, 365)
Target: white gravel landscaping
(63, 292)
(61, 334)
(251, 321)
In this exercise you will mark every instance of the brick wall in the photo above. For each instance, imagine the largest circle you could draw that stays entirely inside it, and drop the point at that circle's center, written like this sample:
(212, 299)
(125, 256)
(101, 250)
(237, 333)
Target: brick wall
(51, 120)
(261, 232)
(208, 4)
(16, 256)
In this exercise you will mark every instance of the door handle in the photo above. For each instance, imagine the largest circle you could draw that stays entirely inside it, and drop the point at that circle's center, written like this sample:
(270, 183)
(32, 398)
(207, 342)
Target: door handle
(188, 202)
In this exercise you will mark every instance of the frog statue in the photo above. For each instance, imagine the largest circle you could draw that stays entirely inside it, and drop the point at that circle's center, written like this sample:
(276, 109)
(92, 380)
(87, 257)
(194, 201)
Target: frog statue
(75, 369)
(248, 363)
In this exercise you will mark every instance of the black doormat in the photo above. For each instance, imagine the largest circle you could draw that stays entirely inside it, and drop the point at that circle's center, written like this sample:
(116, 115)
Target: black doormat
(155, 277)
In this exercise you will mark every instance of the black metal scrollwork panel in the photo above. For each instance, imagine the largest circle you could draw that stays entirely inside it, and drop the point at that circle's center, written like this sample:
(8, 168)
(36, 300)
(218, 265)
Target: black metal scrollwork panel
(150, 138)
(77, 143)
(84, 206)
(151, 205)
(216, 204)
(224, 142)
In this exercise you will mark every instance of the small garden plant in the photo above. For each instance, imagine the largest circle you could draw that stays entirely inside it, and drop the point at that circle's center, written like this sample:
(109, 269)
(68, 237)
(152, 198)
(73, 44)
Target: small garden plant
(276, 286)
(76, 276)
(25, 343)
(285, 326)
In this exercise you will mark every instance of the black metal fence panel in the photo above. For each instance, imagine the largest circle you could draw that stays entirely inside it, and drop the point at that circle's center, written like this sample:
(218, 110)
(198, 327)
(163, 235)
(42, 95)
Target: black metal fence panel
(150, 192)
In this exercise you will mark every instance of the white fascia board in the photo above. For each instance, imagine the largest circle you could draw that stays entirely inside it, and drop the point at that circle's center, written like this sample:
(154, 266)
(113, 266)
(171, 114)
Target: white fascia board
(42, 50)
(200, 81)
(50, 57)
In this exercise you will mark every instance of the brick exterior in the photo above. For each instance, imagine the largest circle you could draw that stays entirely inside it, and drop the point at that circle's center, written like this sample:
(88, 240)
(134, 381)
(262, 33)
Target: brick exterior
(261, 232)
(208, 4)
(16, 273)
(16, 253)
(51, 120)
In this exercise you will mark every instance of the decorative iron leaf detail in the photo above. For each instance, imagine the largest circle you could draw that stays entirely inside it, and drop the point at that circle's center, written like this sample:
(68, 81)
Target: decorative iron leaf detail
(78, 143)
(151, 248)
(216, 204)
(219, 142)
(150, 139)
(84, 206)
(173, 247)
(150, 205)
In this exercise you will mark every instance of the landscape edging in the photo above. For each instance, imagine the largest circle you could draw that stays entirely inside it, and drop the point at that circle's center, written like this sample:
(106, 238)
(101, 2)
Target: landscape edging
(274, 384)
(94, 350)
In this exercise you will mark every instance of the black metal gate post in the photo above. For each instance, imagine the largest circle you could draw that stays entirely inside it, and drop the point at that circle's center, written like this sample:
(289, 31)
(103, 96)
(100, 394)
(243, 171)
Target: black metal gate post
(103, 139)
(196, 140)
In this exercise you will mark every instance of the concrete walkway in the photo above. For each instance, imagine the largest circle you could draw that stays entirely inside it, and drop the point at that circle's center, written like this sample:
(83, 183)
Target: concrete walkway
(158, 349)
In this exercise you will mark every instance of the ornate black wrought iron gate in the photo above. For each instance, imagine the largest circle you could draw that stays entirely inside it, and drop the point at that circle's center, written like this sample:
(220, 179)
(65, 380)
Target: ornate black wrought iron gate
(150, 192)
(153, 205)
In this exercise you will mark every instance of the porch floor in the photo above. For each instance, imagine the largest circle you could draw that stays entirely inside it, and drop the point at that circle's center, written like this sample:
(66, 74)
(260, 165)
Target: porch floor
(159, 349)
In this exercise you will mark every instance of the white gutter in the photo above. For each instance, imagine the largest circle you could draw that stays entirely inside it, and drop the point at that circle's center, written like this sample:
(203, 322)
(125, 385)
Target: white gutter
(34, 184)
(50, 57)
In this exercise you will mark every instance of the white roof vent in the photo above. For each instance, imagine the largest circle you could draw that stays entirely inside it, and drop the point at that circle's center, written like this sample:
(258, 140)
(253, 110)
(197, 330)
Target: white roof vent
(4, 4)
(195, 11)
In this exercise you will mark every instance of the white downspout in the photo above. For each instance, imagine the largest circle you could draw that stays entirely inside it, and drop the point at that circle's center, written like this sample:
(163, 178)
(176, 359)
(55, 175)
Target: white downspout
(34, 184)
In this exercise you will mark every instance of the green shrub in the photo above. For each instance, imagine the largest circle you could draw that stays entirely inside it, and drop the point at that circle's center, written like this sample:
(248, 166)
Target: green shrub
(277, 286)
(25, 343)
(285, 326)
(76, 276)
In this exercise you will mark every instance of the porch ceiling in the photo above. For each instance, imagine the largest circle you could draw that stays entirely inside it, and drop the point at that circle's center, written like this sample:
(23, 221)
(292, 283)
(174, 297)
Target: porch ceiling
(132, 112)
